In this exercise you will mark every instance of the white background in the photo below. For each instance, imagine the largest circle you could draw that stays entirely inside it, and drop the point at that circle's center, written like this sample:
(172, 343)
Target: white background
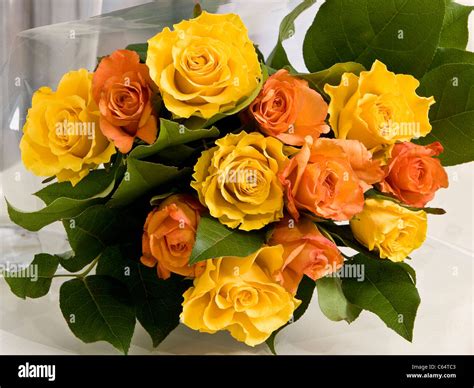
(445, 282)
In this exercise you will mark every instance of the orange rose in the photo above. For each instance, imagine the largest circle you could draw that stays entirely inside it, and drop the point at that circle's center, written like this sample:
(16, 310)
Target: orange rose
(169, 234)
(320, 179)
(306, 252)
(367, 169)
(413, 174)
(288, 109)
(122, 88)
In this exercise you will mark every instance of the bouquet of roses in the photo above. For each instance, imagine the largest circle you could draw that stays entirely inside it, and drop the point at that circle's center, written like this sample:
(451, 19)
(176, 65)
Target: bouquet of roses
(199, 183)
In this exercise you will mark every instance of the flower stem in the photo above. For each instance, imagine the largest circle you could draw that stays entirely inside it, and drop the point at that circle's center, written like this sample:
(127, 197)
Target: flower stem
(82, 274)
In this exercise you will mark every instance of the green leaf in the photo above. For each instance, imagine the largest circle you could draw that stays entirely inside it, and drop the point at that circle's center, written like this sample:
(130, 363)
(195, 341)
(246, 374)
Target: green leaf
(199, 122)
(157, 301)
(157, 199)
(89, 234)
(446, 56)
(98, 308)
(304, 293)
(35, 280)
(452, 117)
(216, 240)
(278, 58)
(403, 34)
(331, 76)
(409, 270)
(197, 10)
(141, 177)
(332, 301)
(260, 56)
(342, 235)
(429, 210)
(65, 201)
(387, 290)
(59, 209)
(97, 184)
(372, 193)
(140, 48)
(49, 179)
(172, 134)
(455, 31)
(179, 155)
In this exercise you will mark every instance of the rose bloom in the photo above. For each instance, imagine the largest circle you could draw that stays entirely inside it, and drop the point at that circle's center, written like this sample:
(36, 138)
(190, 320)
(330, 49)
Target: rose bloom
(123, 90)
(320, 179)
(169, 235)
(306, 252)
(239, 294)
(237, 180)
(390, 229)
(61, 136)
(378, 108)
(414, 174)
(288, 109)
(205, 65)
(367, 169)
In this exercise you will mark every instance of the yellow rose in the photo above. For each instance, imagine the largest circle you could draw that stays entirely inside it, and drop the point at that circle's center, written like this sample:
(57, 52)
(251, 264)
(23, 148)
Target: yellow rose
(390, 229)
(61, 136)
(237, 180)
(378, 108)
(205, 65)
(240, 295)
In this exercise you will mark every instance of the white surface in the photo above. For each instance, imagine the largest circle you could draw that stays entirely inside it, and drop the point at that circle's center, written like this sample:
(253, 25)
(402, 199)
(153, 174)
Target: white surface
(444, 323)
(443, 326)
